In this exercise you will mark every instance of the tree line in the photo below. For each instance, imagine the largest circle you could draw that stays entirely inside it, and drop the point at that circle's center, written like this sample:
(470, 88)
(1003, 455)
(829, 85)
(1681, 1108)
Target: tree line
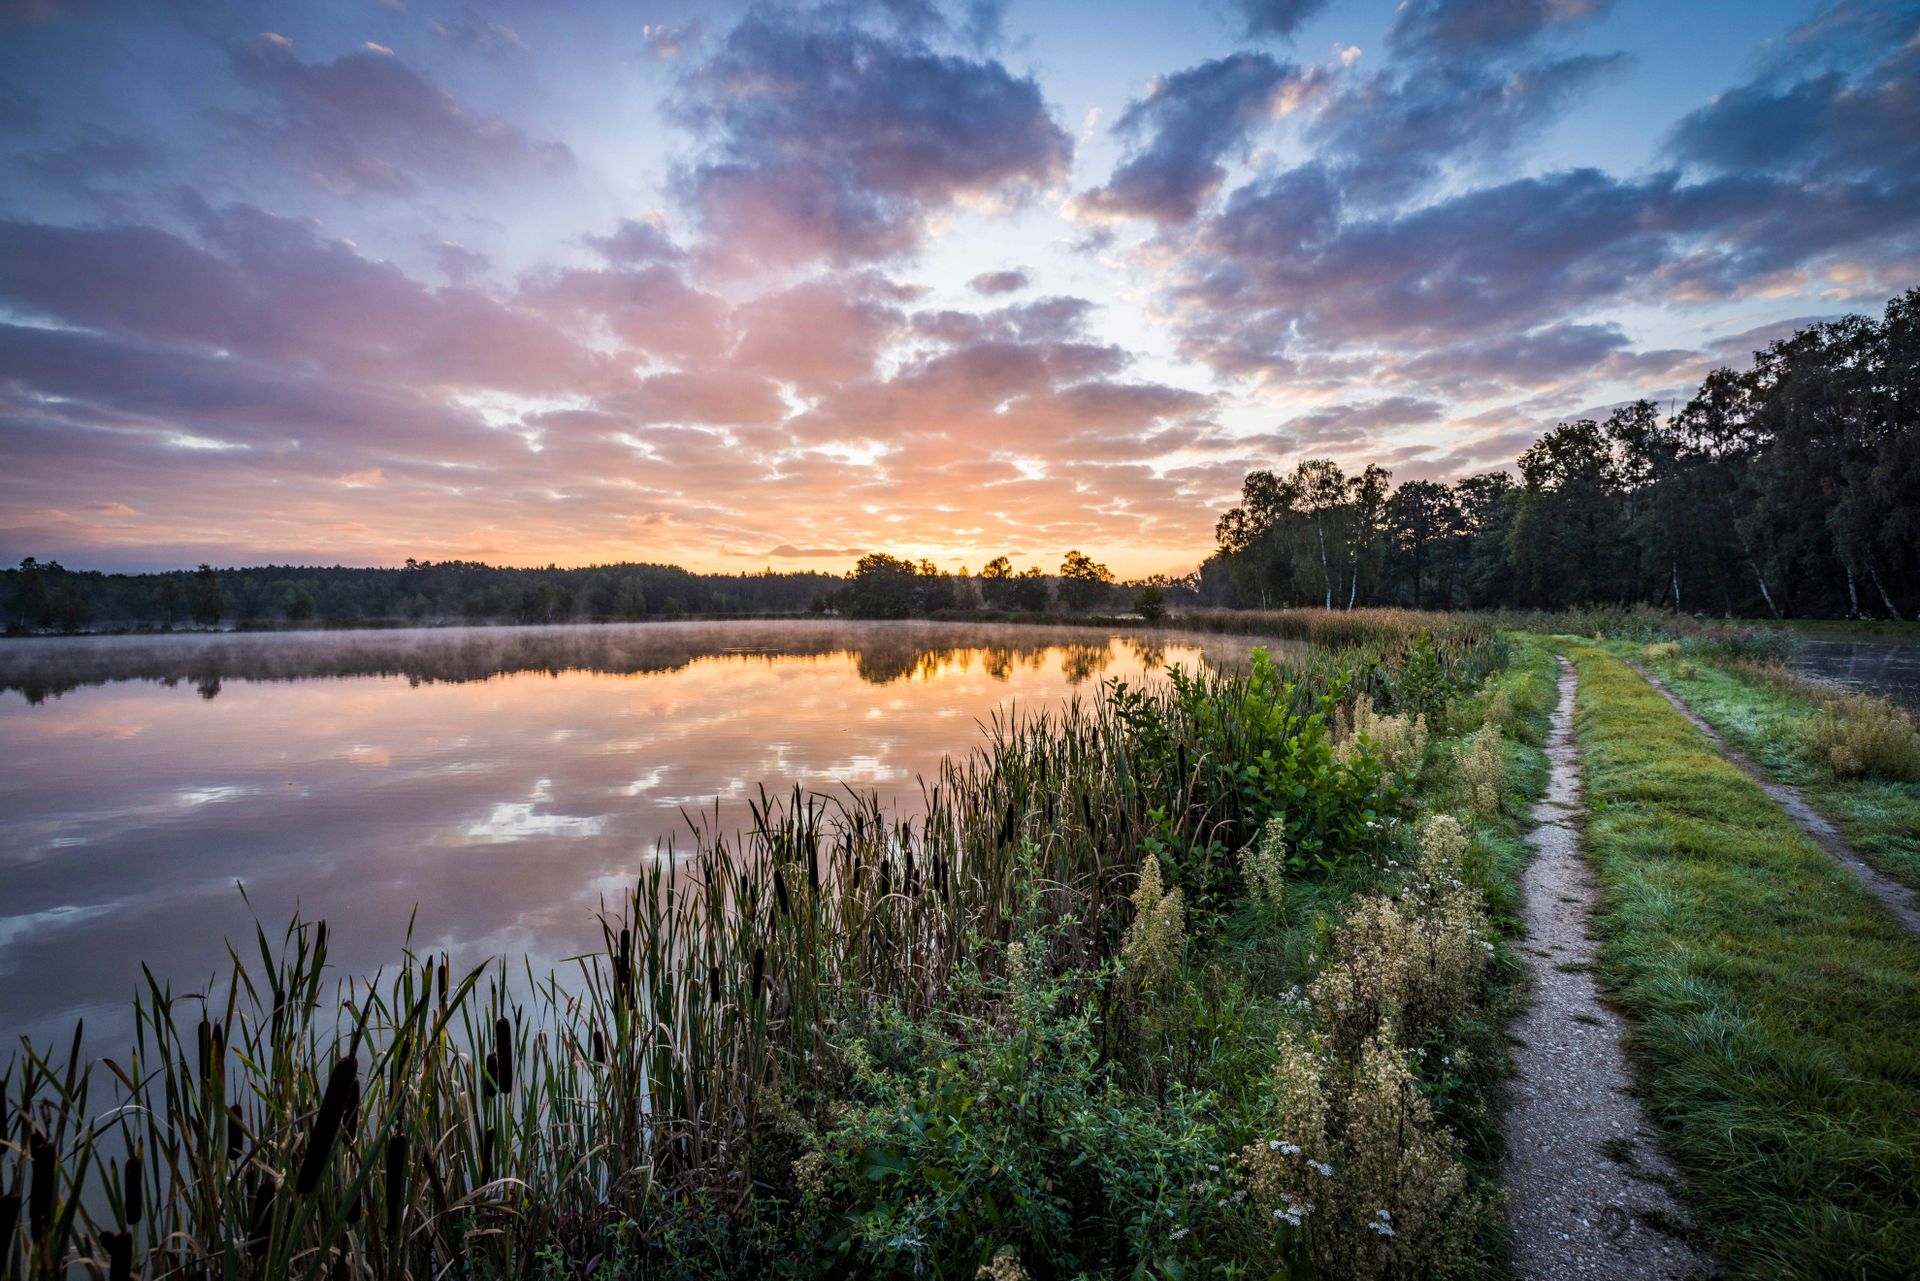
(1789, 489)
(44, 595)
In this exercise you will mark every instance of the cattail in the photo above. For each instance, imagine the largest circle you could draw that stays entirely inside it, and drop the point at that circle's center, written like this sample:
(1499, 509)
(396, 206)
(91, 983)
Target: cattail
(1006, 826)
(886, 879)
(236, 1132)
(342, 1096)
(856, 873)
(1086, 807)
(133, 1189)
(503, 1051)
(119, 1247)
(396, 1184)
(759, 968)
(41, 1187)
(488, 1142)
(205, 1042)
(813, 862)
(260, 1213)
(490, 1076)
(713, 985)
(9, 1222)
(442, 978)
(780, 891)
(599, 1047)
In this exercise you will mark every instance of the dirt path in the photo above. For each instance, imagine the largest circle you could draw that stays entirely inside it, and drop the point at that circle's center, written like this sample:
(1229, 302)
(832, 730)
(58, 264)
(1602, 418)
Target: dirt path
(1895, 897)
(1588, 1189)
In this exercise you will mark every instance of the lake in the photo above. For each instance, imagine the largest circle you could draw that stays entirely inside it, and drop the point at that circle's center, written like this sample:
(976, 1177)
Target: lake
(1889, 668)
(504, 780)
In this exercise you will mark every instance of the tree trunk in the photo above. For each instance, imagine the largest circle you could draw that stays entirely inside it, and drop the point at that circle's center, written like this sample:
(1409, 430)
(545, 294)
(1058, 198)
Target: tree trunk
(1853, 592)
(1885, 599)
(1747, 549)
(1326, 571)
(1676, 586)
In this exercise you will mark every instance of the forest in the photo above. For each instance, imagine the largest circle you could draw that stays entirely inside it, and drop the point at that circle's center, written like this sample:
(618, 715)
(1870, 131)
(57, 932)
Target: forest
(1789, 489)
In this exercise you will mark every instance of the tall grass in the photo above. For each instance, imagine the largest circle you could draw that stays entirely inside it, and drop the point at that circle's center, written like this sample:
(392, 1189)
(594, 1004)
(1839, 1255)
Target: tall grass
(498, 1123)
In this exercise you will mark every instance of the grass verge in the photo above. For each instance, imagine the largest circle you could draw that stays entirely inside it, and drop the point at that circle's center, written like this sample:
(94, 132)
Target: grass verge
(1772, 1002)
(1768, 720)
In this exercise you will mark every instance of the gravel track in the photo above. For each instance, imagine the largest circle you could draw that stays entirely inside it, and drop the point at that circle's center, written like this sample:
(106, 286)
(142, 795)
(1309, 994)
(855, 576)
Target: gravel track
(1589, 1193)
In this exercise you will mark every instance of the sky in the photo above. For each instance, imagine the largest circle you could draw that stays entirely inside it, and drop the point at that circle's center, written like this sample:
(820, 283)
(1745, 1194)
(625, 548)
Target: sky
(751, 286)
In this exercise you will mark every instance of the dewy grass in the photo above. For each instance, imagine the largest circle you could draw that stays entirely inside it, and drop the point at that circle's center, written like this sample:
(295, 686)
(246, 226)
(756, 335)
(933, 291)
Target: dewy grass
(1772, 1003)
(720, 1088)
(1765, 712)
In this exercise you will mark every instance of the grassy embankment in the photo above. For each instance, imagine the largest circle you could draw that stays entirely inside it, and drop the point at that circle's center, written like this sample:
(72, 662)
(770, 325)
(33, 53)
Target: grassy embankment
(1772, 1001)
(1149, 979)
(1775, 718)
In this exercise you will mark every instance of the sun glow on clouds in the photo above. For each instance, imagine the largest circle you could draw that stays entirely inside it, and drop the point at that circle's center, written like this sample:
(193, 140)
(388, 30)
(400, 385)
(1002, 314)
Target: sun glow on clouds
(365, 287)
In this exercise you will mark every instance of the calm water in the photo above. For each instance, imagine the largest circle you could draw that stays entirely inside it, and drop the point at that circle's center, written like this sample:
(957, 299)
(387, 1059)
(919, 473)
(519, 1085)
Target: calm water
(1887, 668)
(503, 780)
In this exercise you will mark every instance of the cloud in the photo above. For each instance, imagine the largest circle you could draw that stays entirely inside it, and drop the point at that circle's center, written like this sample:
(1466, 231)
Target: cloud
(831, 143)
(1183, 128)
(789, 551)
(1277, 18)
(634, 242)
(1833, 124)
(999, 282)
(367, 122)
(1392, 134)
(1451, 27)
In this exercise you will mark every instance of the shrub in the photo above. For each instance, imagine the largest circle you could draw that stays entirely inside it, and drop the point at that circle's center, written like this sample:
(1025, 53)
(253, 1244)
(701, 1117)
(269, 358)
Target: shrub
(1360, 1169)
(1150, 603)
(1157, 937)
(1263, 865)
(1857, 736)
(1418, 962)
(1500, 710)
(1400, 742)
(1660, 650)
(1483, 771)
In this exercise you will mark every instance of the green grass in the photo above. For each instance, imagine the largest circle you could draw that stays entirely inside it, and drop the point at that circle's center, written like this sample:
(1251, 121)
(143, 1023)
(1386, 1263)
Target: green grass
(1879, 817)
(1773, 1004)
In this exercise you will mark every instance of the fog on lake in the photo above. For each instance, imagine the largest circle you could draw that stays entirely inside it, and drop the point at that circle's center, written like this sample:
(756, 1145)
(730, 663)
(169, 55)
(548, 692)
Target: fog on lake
(504, 780)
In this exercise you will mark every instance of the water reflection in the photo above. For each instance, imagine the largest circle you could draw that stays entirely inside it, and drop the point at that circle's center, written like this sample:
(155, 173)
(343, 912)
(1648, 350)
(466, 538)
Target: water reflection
(1888, 668)
(883, 653)
(501, 779)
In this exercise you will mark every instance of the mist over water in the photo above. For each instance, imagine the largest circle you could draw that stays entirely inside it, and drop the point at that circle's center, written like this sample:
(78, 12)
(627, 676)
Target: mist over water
(504, 780)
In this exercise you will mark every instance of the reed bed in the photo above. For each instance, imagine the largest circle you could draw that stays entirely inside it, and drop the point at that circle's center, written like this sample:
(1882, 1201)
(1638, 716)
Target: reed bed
(497, 1123)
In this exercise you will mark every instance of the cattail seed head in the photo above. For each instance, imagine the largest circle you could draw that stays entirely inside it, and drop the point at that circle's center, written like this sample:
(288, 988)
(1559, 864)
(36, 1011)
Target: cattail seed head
(341, 1098)
(134, 1189)
(119, 1247)
(260, 1213)
(396, 1186)
(40, 1190)
(599, 1047)
(503, 1053)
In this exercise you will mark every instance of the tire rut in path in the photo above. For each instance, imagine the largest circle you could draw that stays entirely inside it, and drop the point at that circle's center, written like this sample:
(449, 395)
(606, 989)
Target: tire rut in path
(1589, 1193)
(1895, 897)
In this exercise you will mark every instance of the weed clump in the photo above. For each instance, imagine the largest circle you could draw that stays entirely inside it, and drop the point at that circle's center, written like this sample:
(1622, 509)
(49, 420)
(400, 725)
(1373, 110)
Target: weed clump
(1359, 1169)
(1418, 961)
(1483, 771)
(1858, 736)
(1400, 742)
(1660, 650)
(1263, 866)
(1157, 937)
